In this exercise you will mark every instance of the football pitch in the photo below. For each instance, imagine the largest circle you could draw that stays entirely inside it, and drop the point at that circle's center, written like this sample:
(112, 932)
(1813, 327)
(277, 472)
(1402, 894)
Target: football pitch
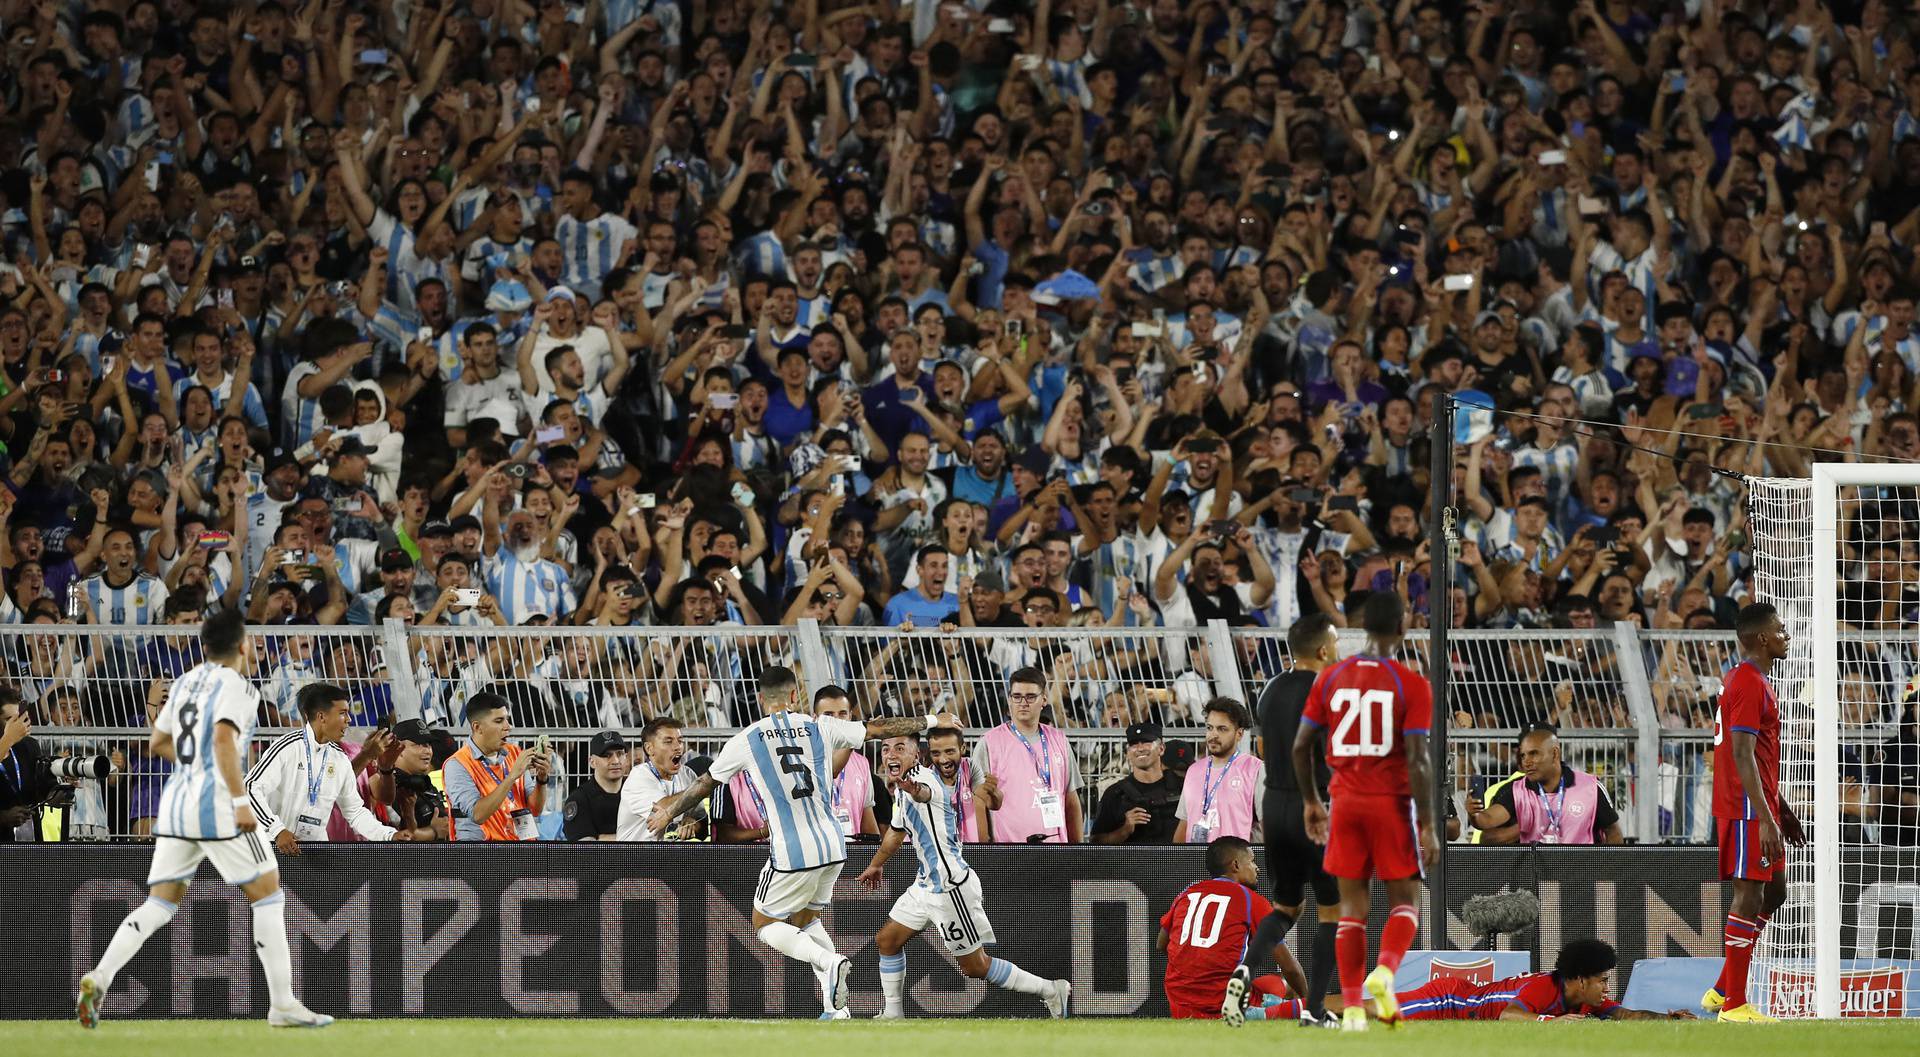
(954, 1038)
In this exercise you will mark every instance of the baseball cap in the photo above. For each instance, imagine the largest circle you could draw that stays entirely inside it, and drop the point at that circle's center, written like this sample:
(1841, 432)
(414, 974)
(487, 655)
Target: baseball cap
(395, 560)
(435, 528)
(1140, 733)
(352, 446)
(277, 460)
(989, 580)
(561, 293)
(1035, 459)
(606, 741)
(416, 731)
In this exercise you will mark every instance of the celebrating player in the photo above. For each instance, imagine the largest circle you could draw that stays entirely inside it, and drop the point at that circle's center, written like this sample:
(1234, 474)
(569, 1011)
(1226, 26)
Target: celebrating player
(787, 756)
(1576, 989)
(945, 891)
(1293, 859)
(1746, 793)
(1207, 930)
(1375, 712)
(205, 814)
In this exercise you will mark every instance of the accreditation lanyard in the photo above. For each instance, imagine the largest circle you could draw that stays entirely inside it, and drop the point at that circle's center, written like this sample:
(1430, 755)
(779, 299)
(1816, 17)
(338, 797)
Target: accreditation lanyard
(1209, 786)
(1043, 765)
(1553, 807)
(313, 775)
(500, 778)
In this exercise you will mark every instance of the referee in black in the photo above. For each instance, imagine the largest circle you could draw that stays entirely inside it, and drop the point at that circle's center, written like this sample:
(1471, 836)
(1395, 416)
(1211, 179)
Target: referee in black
(1293, 859)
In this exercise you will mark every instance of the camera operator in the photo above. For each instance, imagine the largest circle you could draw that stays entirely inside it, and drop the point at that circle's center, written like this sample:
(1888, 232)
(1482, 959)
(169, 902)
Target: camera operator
(402, 787)
(81, 763)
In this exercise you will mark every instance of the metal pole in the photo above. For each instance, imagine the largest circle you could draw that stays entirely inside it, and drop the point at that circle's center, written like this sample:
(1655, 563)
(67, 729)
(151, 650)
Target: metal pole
(1442, 550)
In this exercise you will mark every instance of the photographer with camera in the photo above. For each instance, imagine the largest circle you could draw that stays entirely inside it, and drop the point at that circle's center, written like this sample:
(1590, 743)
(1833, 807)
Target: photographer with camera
(78, 768)
(401, 785)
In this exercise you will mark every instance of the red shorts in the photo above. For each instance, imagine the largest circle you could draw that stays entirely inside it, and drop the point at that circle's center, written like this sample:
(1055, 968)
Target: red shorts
(1740, 857)
(1373, 836)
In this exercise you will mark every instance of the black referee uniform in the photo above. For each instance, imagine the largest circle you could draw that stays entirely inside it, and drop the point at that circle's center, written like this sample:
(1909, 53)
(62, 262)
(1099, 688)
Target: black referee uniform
(1293, 859)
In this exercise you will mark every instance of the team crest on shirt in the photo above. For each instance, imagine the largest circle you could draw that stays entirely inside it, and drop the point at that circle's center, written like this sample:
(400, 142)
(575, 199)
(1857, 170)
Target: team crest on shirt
(139, 600)
(598, 234)
(546, 583)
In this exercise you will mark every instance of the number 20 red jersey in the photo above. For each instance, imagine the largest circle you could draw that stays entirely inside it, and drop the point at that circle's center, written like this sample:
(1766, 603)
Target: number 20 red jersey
(1368, 705)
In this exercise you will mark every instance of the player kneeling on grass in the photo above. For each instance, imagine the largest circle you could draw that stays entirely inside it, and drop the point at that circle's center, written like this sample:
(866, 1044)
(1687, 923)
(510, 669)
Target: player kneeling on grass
(1207, 929)
(205, 813)
(1576, 989)
(946, 891)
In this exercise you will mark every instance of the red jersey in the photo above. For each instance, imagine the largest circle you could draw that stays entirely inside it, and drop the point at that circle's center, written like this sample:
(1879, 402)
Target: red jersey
(1208, 929)
(1369, 705)
(1746, 704)
(1539, 994)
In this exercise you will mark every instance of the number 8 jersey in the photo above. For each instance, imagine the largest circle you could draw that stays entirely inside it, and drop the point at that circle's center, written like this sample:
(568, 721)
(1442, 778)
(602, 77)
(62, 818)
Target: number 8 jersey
(1368, 705)
(789, 759)
(195, 803)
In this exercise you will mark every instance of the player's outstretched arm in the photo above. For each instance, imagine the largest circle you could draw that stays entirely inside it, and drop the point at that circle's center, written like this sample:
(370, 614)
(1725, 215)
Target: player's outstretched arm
(1623, 1013)
(679, 804)
(869, 878)
(906, 726)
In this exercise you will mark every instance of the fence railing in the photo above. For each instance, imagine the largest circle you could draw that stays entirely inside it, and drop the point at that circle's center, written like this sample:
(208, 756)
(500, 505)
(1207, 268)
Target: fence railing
(1633, 707)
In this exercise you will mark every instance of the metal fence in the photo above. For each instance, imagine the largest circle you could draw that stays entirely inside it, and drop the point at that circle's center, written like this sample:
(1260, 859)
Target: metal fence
(1634, 708)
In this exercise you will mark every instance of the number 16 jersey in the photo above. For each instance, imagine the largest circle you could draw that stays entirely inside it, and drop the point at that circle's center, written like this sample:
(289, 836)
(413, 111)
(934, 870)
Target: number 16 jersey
(788, 758)
(1368, 706)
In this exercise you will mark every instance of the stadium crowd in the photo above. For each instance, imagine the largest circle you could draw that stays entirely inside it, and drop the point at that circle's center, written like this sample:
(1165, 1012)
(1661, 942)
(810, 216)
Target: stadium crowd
(957, 315)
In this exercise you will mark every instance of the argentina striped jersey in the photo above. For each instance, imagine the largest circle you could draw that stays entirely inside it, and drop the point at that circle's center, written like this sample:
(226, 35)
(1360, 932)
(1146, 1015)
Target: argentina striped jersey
(195, 803)
(788, 758)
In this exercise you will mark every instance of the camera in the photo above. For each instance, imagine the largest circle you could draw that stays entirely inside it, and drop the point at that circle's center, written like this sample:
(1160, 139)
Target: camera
(79, 768)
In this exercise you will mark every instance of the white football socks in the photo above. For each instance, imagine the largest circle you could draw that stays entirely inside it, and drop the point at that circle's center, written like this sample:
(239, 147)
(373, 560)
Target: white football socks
(147, 918)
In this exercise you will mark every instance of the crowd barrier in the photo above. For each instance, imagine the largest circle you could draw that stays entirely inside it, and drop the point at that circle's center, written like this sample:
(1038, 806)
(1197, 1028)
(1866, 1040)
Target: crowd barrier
(1635, 708)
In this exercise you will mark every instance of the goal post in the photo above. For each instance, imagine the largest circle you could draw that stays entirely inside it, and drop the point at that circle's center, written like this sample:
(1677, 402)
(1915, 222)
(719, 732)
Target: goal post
(1807, 535)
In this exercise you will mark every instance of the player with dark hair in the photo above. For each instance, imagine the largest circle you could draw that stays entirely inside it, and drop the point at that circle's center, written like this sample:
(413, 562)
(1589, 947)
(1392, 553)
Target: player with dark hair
(1375, 713)
(1746, 796)
(205, 813)
(1208, 928)
(1576, 989)
(1293, 859)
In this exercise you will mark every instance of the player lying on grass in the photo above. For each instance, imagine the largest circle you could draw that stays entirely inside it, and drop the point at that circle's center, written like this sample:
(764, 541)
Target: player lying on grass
(1207, 929)
(1576, 989)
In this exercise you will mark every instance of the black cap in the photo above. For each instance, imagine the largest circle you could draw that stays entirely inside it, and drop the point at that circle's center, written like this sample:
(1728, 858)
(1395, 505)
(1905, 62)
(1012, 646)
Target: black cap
(606, 741)
(394, 560)
(352, 446)
(1036, 460)
(1139, 733)
(463, 523)
(436, 528)
(277, 460)
(416, 731)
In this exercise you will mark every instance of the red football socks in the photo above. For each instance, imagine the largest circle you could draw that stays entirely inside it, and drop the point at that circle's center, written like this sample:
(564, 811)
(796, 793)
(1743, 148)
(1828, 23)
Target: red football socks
(1402, 925)
(1350, 950)
(1740, 937)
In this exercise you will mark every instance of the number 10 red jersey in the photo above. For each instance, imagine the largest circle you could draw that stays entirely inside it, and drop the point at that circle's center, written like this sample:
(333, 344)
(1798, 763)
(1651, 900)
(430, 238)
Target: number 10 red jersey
(1368, 706)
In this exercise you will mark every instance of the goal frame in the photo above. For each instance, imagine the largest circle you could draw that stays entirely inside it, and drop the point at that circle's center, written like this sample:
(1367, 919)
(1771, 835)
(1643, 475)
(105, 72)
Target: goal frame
(1828, 479)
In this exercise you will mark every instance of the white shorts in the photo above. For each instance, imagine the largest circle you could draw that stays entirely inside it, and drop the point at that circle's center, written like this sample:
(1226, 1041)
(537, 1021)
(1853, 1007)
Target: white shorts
(782, 894)
(959, 914)
(240, 860)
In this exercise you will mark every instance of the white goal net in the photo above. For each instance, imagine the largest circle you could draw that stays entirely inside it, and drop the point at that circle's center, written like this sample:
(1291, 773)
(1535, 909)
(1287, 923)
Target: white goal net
(1839, 556)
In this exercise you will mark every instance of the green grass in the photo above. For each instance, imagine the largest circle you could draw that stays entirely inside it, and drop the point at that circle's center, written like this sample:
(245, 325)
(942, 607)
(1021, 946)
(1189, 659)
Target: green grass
(950, 1038)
